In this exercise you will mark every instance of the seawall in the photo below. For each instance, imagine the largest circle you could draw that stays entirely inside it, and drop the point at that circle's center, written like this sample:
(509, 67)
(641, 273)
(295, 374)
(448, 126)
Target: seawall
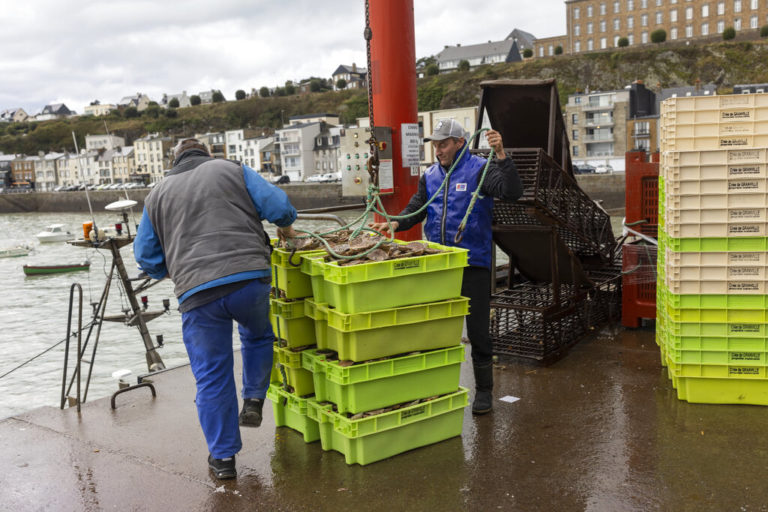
(608, 188)
(302, 196)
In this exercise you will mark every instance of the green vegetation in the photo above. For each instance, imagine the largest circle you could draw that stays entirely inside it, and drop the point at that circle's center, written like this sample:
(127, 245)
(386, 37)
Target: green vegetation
(558, 50)
(623, 42)
(659, 36)
(239, 94)
(527, 53)
(671, 64)
(729, 33)
(764, 31)
(463, 66)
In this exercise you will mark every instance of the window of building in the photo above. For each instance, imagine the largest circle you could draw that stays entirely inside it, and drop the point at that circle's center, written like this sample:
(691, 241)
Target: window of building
(737, 24)
(644, 37)
(602, 25)
(659, 3)
(673, 15)
(589, 27)
(644, 20)
(603, 43)
(753, 4)
(630, 5)
(575, 150)
(630, 22)
(616, 7)
(616, 40)
(689, 31)
(590, 45)
(720, 8)
(574, 134)
(705, 11)
(736, 5)
(541, 51)
(551, 50)
(720, 26)
(616, 24)
(673, 1)
(753, 22)
(577, 46)
(577, 30)
(689, 13)
(631, 39)
(589, 11)
(576, 13)
(643, 4)
(659, 18)
(602, 9)
(705, 29)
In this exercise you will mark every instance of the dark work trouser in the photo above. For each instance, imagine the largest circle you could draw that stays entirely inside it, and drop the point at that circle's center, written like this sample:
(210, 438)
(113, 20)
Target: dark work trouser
(477, 286)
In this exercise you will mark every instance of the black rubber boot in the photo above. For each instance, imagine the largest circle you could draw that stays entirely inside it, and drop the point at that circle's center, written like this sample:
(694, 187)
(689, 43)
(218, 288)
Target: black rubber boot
(483, 402)
(223, 469)
(250, 416)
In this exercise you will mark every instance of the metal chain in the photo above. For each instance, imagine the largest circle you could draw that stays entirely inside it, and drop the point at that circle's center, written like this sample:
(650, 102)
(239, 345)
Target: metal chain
(373, 161)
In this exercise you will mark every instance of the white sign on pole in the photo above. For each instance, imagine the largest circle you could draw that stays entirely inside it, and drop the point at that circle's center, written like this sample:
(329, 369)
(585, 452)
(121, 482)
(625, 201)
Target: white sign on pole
(410, 144)
(386, 179)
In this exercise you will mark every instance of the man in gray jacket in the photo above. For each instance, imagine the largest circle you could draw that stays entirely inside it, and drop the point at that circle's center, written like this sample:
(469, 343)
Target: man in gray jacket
(202, 227)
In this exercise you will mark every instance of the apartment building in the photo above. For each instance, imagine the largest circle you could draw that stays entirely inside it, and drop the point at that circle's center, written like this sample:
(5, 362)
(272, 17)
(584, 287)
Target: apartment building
(214, 142)
(23, 171)
(297, 143)
(598, 24)
(96, 142)
(233, 142)
(152, 156)
(252, 151)
(270, 158)
(548, 46)
(327, 150)
(123, 166)
(46, 171)
(97, 109)
(596, 124)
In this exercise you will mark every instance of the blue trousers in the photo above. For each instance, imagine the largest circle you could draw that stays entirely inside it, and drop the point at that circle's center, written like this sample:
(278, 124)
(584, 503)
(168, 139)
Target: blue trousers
(207, 332)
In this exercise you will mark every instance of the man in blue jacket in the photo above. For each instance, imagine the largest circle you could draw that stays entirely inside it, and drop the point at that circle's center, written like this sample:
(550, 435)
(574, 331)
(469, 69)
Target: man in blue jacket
(445, 214)
(202, 227)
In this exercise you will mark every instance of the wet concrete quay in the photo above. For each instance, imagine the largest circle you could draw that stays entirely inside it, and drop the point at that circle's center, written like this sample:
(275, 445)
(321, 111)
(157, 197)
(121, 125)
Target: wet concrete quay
(600, 430)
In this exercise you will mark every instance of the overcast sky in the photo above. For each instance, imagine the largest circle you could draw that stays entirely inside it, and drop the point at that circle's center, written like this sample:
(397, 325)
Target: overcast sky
(76, 51)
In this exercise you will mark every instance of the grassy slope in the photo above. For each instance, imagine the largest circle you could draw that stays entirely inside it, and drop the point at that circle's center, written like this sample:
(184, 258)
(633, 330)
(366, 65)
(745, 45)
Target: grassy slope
(667, 65)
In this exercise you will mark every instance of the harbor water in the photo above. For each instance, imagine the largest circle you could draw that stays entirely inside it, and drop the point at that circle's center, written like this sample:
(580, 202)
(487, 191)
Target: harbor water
(33, 312)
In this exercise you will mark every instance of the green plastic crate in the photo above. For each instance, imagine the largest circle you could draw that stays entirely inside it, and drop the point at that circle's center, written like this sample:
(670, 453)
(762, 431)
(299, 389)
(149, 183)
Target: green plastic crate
(298, 378)
(385, 435)
(291, 411)
(722, 391)
(379, 384)
(290, 323)
(287, 275)
(395, 283)
(715, 371)
(312, 266)
(319, 314)
(390, 332)
(726, 244)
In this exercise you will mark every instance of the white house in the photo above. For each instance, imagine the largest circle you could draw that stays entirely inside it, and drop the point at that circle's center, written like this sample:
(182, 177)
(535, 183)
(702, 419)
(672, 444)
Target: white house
(152, 156)
(297, 143)
(46, 171)
(99, 109)
(94, 142)
(13, 115)
(252, 149)
(491, 52)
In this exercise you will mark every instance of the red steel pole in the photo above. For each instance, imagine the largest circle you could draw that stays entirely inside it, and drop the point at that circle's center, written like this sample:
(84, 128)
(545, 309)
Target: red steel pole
(393, 79)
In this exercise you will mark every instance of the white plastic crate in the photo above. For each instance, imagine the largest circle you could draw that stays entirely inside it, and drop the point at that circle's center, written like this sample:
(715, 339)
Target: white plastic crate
(715, 157)
(715, 287)
(715, 116)
(720, 259)
(727, 101)
(716, 215)
(673, 173)
(715, 201)
(714, 273)
(713, 142)
(727, 186)
(716, 230)
(715, 129)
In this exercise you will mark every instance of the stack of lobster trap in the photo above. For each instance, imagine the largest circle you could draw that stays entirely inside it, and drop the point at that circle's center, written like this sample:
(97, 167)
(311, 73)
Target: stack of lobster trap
(558, 240)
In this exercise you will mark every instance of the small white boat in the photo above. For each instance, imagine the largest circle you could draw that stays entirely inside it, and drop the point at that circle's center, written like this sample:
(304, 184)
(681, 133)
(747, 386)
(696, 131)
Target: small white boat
(14, 252)
(55, 233)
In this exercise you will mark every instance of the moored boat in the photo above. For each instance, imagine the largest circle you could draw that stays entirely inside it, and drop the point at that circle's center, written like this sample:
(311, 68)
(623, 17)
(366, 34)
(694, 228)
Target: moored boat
(55, 233)
(14, 252)
(34, 270)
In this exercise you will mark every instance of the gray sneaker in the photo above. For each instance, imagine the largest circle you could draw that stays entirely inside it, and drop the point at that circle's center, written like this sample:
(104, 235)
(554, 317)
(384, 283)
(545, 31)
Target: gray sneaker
(250, 416)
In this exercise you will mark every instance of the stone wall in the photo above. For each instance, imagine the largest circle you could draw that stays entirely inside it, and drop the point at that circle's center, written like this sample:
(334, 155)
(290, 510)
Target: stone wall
(302, 196)
(608, 188)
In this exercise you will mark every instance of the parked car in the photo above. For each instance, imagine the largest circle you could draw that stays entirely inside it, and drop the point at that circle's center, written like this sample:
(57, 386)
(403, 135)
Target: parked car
(583, 169)
(315, 178)
(282, 180)
(603, 169)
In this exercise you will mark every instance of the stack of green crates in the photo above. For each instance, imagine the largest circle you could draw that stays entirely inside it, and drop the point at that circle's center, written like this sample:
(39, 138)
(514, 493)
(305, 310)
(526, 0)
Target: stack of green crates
(385, 373)
(713, 248)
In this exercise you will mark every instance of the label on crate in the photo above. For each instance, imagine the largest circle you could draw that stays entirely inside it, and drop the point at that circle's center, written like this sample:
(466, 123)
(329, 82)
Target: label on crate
(744, 328)
(744, 228)
(744, 370)
(745, 155)
(747, 213)
(735, 129)
(745, 356)
(743, 257)
(736, 115)
(744, 170)
(402, 265)
(744, 185)
(734, 142)
(744, 287)
(413, 412)
(735, 101)
(744, 271)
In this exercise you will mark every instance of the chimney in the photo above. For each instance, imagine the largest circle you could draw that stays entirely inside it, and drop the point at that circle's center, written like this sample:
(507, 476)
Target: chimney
(354, 67)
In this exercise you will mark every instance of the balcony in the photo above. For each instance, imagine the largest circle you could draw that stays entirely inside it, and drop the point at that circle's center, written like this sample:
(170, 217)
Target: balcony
(599, 137)
(593, 123)
(589, 107)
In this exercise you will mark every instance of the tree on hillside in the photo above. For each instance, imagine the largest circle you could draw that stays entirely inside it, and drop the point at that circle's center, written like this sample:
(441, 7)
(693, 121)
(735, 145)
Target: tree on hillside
(194, 99)
(264, 92)
(558, 50)
(623, 42)
(290, 89)
(463, 65)
(729, 33)
(152, 111)
(315, 85)
(171, 113)
(279, 91)
(131, 112)
(527, 53)
(174, 103)
(239, 94)
(341, 83)
(659, 36)
(217, 97)
(426, 61)
(432, 70)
